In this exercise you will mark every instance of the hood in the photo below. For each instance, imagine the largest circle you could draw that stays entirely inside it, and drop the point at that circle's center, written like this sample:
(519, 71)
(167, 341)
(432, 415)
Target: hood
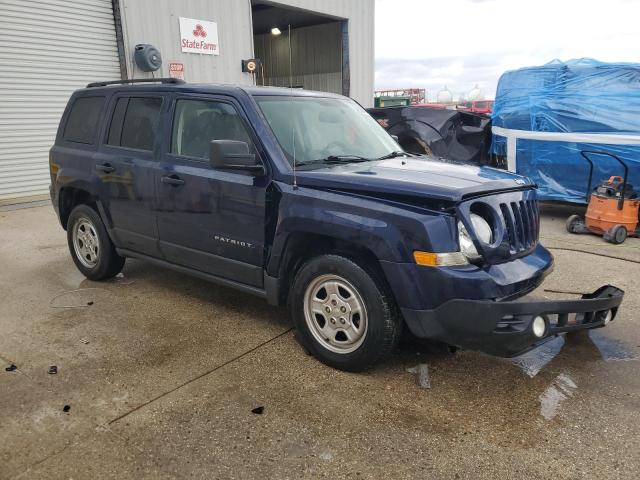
(437, 179)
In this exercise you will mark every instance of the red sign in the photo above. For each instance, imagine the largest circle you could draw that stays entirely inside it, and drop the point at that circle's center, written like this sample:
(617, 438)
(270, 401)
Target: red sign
(176, 70)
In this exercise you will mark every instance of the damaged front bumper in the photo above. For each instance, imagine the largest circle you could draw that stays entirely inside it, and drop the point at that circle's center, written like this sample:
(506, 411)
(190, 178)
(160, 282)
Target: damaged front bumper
(505, 328)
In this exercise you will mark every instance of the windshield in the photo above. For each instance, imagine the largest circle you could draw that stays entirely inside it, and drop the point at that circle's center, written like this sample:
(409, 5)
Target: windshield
(322, 129)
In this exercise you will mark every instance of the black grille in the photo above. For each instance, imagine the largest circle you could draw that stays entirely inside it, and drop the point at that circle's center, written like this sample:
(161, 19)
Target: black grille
(522, 222)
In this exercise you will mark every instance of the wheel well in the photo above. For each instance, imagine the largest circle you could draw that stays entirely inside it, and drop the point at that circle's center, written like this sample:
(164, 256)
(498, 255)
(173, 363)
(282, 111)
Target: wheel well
(71, 197)
(301, 247)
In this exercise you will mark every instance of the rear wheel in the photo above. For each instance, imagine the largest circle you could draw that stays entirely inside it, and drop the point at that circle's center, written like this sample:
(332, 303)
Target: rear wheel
(575, 224)
(90, 246)
(344, 314)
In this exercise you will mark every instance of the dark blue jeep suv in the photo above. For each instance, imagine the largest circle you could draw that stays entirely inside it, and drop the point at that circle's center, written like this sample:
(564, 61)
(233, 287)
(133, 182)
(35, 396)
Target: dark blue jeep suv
(303, 199)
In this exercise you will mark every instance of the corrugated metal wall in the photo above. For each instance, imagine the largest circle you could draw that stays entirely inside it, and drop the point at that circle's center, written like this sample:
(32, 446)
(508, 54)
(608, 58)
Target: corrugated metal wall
(313, 68)
(157, 22)
(48, 49)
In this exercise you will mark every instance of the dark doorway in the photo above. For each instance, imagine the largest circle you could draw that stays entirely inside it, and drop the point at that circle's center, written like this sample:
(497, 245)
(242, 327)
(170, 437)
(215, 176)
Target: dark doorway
(316, 57)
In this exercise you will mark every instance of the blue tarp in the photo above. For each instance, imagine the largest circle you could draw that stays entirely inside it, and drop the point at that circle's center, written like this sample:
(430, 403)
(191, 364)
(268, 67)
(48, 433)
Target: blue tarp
(583, 95)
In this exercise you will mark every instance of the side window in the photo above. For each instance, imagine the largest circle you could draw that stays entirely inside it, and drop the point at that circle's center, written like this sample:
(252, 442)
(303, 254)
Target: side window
(197, 122)
(83, 121)
(134, 122)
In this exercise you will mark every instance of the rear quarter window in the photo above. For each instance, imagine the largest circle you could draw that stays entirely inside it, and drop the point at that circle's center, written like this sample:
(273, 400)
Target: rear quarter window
(83, 120)
(135, 122)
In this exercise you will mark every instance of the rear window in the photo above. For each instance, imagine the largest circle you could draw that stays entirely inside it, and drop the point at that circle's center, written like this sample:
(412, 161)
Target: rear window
(134, 122)
(83, 121)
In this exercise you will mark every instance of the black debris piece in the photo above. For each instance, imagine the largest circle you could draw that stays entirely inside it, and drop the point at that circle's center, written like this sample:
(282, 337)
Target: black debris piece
(89, 303)
(450, 134)
(53, 370)
(66, 408)
(11, 368)
(258, 410)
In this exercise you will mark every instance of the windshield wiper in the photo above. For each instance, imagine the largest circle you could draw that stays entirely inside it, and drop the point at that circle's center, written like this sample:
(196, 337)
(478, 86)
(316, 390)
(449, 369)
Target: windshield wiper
(335, 159)
(394, 154)
(345, 159)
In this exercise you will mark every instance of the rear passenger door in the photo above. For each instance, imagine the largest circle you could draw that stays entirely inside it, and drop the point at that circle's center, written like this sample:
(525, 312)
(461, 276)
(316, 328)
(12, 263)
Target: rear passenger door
(209, 219)
(125, 165)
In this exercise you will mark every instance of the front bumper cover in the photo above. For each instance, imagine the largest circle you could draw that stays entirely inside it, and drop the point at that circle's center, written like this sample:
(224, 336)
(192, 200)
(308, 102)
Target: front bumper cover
(503, 328)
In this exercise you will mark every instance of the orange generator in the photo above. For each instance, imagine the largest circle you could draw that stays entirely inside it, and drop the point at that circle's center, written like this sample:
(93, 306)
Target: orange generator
(613, 207)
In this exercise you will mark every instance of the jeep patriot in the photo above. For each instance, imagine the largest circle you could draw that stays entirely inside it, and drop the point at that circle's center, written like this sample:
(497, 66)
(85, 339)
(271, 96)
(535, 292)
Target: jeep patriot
(302, 198)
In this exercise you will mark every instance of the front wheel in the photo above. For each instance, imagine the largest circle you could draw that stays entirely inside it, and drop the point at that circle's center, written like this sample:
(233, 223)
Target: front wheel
(617, 235)
(344, 314)
(90, 245)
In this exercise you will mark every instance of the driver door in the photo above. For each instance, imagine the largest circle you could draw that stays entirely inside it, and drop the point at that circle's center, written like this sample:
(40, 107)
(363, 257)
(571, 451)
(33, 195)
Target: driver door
(209, 219)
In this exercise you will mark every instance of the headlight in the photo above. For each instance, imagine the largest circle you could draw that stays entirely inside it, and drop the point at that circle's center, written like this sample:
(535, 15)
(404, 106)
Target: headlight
(482, 230)
(466, 244)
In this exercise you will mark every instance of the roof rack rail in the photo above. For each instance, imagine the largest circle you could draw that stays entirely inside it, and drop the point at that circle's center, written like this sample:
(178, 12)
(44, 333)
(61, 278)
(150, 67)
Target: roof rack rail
(176, 81)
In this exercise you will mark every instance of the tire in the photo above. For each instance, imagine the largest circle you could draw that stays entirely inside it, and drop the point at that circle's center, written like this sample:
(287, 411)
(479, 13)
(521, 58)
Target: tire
(90, 246)
(573, 223)
(618, 234)
(344, 314)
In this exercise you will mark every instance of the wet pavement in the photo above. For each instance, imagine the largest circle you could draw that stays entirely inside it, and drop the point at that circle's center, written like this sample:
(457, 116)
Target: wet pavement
(166, 376)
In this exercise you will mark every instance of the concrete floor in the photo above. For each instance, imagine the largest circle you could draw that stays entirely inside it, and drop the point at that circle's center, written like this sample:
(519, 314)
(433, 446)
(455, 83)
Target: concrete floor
(162, 371)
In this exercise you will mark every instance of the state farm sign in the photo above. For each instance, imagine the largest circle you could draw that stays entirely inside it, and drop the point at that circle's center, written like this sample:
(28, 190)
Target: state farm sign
(199, 36)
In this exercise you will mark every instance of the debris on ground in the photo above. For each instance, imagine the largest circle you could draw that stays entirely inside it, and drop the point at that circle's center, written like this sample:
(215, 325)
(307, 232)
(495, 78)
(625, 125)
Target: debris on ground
(326, 456)
(52, 370)
(258, 410)
(120, 279)
(66, 408)
(422, 375)
(11, 368)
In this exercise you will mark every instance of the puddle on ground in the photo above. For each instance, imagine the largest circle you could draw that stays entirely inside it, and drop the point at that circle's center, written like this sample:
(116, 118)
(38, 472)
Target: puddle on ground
(561, 388)
(421, 372)
(607, 348)
(610, 348)
(533, 361)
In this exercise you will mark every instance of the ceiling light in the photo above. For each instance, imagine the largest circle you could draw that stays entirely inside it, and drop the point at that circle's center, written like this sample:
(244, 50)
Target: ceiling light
(275, 31)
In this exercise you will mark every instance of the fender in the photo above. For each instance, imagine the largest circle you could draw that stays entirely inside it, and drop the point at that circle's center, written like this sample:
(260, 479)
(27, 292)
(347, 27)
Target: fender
(391, 233)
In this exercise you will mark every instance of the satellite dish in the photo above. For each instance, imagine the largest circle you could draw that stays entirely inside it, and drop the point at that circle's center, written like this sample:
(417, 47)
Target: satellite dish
(147, 57)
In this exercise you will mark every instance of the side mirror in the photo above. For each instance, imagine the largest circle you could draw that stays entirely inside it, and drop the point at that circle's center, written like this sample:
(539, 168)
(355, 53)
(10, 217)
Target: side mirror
(233, 155)
(395, 137)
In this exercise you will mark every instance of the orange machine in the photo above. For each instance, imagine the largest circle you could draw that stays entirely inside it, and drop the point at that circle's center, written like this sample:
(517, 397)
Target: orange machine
(613, 207)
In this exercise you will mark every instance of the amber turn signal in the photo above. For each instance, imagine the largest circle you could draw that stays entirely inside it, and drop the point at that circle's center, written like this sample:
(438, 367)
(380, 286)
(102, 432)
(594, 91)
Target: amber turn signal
(430, 259)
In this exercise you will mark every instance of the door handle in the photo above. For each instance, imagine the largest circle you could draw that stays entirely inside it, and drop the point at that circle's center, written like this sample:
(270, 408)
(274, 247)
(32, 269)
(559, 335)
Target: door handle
(105, 167)
(172, 180)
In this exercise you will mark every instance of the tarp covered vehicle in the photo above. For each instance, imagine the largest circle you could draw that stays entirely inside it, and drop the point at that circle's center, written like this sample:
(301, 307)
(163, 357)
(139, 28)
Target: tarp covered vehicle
(554, 111)
(450, 134)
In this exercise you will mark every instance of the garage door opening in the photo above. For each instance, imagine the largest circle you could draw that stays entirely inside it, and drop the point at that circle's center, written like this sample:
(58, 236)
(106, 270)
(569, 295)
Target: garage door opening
(319, 51)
